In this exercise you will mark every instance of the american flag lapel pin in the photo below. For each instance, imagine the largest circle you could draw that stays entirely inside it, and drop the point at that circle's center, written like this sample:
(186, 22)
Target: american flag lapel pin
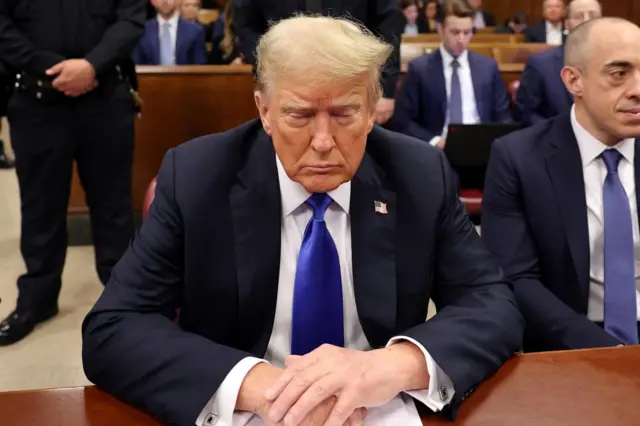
(380, 207)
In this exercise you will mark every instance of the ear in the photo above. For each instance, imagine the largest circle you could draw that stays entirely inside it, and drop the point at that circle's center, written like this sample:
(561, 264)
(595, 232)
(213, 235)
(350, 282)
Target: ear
(572, 79)
(439, 28)
(263, 109)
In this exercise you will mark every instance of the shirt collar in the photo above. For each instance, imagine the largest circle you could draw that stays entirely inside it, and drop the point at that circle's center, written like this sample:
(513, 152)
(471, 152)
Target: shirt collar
(173, 21)
(591, 148)
(293, 195)
(447, 57)
(551, 27)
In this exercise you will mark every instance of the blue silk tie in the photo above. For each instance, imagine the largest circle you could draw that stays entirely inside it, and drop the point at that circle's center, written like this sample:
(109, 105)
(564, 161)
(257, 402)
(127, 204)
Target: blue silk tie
(620, 316)
(317, 297)
(166, 45)
(455, 98)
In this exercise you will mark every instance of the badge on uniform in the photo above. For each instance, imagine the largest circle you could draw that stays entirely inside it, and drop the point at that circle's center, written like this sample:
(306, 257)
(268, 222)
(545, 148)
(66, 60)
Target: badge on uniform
(380, 207)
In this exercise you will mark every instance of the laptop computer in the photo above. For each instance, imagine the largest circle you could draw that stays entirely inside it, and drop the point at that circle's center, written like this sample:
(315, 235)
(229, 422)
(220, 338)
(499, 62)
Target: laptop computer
(468, 148)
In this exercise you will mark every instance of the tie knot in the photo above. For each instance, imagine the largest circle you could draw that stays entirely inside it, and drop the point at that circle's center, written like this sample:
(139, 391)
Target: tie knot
(455, 63)
(319, 202)
(611, 158)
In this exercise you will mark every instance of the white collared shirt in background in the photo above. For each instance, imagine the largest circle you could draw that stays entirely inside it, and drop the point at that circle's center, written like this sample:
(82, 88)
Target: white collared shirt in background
(554, 33)
(469, 107)
(173, 30)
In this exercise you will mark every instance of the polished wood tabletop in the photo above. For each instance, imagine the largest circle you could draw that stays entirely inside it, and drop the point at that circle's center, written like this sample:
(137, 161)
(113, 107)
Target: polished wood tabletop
(596, 387)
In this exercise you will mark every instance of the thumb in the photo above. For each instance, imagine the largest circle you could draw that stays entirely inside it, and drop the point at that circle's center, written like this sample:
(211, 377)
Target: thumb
(56, 69)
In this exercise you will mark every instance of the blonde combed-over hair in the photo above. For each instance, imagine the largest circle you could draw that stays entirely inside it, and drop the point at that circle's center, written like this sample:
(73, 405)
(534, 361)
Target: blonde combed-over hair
(320, 51)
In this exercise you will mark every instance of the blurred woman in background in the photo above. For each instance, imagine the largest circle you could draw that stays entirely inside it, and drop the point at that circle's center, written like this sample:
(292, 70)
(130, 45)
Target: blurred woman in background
(224, 48)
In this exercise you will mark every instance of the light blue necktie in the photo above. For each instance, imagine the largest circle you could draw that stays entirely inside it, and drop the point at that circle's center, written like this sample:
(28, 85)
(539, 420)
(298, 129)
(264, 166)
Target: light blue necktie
(455, 98)
(317, 296)
(620, 315)
(166, 45)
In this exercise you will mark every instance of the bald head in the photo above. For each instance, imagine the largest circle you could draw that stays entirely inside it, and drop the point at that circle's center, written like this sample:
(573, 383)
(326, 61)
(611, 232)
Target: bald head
(597, 35)
(602, 73)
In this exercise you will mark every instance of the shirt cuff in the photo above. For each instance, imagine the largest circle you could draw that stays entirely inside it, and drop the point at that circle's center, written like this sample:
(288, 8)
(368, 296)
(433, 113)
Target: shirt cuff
(440, 391)
(434, 140)
(220, 410)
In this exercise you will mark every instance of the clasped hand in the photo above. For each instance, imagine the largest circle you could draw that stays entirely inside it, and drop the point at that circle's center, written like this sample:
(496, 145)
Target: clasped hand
(341, 382)
(75, 77)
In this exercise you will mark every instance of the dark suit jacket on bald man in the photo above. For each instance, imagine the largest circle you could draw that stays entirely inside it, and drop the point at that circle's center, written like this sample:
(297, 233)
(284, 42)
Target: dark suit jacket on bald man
(210, 245)
(382, 17)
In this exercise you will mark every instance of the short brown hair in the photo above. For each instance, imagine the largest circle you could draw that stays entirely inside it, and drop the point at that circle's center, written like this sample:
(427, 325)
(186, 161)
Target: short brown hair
(457, 8)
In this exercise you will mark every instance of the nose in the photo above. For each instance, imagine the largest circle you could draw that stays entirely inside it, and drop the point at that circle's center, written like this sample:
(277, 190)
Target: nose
(634, 86)
(322, 138)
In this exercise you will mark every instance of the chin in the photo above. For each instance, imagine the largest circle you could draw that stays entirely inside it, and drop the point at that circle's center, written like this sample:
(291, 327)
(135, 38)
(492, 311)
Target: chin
(322, 183)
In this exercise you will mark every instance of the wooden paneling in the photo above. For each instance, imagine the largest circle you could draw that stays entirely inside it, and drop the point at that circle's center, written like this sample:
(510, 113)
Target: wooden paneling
(503, 9)
(180, 103)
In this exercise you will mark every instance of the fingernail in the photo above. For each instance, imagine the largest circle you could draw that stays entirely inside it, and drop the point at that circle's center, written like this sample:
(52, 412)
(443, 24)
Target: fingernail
(288, 421)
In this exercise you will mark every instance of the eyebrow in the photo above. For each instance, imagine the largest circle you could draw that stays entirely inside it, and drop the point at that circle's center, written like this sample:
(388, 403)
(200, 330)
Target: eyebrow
(618, 64)
(287, 108)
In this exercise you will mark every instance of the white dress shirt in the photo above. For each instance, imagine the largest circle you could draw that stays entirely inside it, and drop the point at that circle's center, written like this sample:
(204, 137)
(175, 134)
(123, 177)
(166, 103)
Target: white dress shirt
(469, 107)
(173, 30)
(478, 20)
(411, 29)
(295, 216)
(595, 173)
(554, 33)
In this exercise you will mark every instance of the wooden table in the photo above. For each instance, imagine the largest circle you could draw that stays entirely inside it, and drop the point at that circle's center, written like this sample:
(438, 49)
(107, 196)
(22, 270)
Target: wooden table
(599, 387)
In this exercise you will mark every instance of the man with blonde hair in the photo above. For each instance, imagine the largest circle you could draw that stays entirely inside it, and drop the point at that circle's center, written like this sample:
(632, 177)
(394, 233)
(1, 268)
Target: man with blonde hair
(302, 250)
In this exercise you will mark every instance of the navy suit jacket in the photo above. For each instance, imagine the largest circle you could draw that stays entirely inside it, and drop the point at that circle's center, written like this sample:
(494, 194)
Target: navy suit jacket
(210, 245)
(537, 33)
(421, 104)
(542, 94)
(534, 220)
(190, 44)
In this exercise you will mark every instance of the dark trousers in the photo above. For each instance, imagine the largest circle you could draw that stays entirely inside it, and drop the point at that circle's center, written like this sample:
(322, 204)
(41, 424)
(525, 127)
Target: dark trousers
(97, 132)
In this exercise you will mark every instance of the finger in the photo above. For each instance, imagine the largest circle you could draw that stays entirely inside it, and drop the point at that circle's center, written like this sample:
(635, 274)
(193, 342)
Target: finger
(315, 395)
(56, 69)
(289, 373)
(345, 406)
(357, 418)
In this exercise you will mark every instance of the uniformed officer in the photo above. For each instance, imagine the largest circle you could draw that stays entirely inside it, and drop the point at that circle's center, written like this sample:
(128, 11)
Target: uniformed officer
(73, 101)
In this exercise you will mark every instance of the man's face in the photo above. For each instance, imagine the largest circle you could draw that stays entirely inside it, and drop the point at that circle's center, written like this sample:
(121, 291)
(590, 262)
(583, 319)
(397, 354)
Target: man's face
(411, 13)
(581, 11)
(609, 86)
(319, 133)
(189, 9)
(165, 7)
(553, 10)
(456, 34)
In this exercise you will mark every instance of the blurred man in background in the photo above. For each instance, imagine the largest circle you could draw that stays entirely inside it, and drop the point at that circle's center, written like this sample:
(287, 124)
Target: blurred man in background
(171, 40)
(550, 29)
(382, 17)
(541, 93)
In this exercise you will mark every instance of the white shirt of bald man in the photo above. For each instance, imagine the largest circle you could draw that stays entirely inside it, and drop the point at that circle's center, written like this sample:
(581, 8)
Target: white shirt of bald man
(296, 214)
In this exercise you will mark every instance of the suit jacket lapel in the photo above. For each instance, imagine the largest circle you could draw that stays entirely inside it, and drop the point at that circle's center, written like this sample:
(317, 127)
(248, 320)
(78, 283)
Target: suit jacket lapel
(437, 83)
(154, 39)
(182, 40)
(481, 107)
(256, 213)
(564, 166)
(373, 252)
